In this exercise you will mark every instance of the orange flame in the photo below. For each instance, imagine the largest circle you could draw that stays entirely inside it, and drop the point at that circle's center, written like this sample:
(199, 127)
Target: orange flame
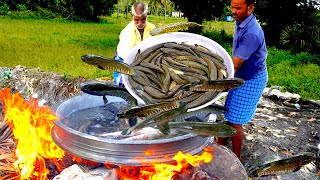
(31, 125)
(165, 171)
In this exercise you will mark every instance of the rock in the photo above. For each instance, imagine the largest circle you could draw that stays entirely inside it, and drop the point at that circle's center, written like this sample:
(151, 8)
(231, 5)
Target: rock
(78, 172)
(225, 165)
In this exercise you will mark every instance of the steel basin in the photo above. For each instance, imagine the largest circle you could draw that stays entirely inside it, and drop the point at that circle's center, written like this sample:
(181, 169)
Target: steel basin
(119, 152)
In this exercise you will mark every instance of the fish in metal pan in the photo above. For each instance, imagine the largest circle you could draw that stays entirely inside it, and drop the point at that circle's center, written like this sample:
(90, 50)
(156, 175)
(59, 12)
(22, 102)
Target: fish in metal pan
(104, 89)
(173, 27)
(282, 166)
(107, 64)
(164, 128)
(147, 133)
(204, 128)
(213, 109)
(158, 119)
(147, 110)
(128, 98)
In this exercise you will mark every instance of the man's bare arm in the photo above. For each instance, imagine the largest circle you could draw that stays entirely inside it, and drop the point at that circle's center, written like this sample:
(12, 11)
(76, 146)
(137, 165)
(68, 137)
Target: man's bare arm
(237, 62)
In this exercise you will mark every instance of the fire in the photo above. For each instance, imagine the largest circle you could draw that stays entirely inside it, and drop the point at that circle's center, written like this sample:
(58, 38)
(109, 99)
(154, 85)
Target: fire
(31, 125)
(165, 171)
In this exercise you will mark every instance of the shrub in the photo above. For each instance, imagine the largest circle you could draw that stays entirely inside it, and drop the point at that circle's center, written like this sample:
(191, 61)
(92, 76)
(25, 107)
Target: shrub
(4, 9)
(221, 38)
(21, 8)
(46, 13)
(301, 37)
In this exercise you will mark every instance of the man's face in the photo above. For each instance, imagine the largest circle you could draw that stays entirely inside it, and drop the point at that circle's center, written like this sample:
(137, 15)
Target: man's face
(240, 9)
(140, 21)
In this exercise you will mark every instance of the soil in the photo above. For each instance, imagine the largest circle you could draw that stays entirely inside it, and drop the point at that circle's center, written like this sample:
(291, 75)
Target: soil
(278, 131)
(281, 128)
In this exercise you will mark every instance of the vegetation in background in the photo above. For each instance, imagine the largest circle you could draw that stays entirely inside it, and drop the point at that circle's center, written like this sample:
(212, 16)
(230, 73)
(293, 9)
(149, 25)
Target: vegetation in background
(200, 10)
(298, 73)
(57, 45)
(295, 72)
(284, 16)
(304, 36)
(77, 10)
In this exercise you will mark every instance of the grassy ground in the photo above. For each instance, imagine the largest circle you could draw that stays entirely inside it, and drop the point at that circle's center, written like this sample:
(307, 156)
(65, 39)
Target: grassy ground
(57, 45)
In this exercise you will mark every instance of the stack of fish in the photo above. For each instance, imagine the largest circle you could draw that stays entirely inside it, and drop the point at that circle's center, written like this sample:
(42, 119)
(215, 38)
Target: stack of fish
(171, 78)
(173, 72)
(178, 71)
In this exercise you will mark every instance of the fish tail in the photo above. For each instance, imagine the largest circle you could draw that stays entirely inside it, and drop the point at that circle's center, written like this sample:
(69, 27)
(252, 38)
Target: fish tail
(126, 131)
(186, 87)
(156, 31)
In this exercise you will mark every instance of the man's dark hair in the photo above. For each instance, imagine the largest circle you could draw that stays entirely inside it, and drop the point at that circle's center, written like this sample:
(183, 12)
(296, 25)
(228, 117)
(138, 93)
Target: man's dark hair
(249, 2)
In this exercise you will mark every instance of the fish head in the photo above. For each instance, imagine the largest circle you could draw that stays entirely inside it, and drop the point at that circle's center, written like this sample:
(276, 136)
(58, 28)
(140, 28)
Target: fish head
(239, 81)
(232, 131)
(225, 131)
(229, 131)
(90, 59)
(182, 104)
(307, 157)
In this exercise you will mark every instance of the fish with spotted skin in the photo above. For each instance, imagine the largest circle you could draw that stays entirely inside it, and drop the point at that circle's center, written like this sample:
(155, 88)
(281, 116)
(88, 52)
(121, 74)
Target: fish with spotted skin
(173, 27)
(147, 110)
(103, 89)
(204, 128)
(214, 85)
(159, 119)
(282, 166)
(108, 64)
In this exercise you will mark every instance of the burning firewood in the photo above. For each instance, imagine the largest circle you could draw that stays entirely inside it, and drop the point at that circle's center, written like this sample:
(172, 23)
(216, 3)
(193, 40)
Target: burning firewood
(7, 157)
(7, 147)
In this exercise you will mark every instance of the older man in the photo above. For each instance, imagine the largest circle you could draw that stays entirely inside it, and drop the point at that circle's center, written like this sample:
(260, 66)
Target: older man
(249, 55)
(136, 31)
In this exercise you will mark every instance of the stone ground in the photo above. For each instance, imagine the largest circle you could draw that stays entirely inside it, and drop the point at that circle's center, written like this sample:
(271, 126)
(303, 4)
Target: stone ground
(280, 129)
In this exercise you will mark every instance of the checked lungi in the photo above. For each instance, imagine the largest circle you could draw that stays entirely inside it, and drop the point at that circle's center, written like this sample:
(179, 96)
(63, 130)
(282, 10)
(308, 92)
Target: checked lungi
(242, 102)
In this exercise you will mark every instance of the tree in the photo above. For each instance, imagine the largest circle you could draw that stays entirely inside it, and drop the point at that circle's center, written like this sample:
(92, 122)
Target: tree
(154, 6)
(277, 16)
(75, 9)
(197, 11)
(92, 9)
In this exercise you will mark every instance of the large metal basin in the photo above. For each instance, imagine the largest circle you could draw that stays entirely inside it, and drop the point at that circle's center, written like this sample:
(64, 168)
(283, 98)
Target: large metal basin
(119, 152)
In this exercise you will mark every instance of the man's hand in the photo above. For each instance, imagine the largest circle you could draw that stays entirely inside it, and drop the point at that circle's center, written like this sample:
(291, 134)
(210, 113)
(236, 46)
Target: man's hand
(237, 62)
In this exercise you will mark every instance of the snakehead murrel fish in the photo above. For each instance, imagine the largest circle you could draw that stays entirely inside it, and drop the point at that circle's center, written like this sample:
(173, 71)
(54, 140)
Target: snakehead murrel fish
(291, 164)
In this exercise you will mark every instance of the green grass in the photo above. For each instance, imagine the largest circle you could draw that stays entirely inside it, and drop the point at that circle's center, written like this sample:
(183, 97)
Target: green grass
(298, 73)
(57, 45)
(217, 26)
